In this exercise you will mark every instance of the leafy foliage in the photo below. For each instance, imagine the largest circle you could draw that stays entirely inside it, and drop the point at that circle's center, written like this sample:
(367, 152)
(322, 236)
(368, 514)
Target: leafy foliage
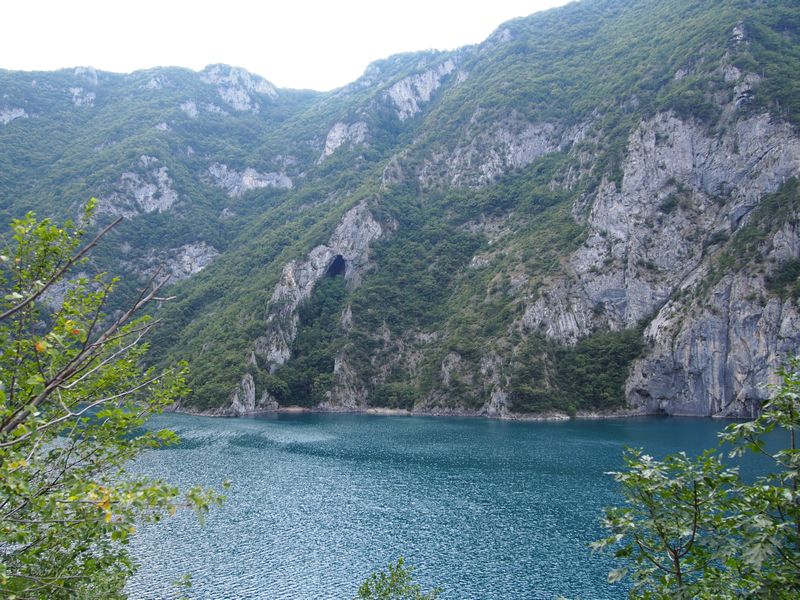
(590, 375)
(73, 396)
(396, 583)
(306, 379)
(693, 528)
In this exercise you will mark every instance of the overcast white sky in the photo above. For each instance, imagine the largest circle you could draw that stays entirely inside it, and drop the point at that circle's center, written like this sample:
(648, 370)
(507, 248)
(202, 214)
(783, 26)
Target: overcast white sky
(293, 43)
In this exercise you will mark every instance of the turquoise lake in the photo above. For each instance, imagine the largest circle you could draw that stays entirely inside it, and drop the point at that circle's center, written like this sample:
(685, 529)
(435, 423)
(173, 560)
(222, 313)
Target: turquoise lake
(483, 508)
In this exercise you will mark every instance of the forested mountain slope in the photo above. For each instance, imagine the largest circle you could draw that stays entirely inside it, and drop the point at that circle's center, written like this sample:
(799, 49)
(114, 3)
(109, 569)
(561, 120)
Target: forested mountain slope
(596, 209)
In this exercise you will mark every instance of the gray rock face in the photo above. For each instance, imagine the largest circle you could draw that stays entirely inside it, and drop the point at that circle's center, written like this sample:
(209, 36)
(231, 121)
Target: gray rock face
(452, 366)
(340, 134)
(10, 114)
(243, 400)
(351, 241)
(643, 239)
(410, 93)
(149, 190)
(178, 263)
(483, 152)
(348, 390)
(237, 183)
(156, 82)
(237, 87)
(684, 191)
(55, 295)
(392, 174)
(498, 403)
(719, 359)
(82, 97)
(87, 74)
(213, 108)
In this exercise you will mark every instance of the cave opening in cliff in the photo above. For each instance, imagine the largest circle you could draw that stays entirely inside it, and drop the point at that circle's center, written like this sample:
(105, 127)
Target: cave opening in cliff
(337, 267)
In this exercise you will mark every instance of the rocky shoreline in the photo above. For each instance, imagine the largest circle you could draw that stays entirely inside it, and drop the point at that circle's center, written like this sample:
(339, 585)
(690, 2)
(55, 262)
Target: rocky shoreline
(455, 412)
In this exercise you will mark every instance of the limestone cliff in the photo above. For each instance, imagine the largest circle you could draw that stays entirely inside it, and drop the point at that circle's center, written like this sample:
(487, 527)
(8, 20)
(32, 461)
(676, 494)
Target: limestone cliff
(486, 150)
(347, 251)
(175, 264)
(340, 134)
(9, 114)
(237, 183)
(145, 190)
(686, 190)
(237, 88)
(410, 93)
(350, 243)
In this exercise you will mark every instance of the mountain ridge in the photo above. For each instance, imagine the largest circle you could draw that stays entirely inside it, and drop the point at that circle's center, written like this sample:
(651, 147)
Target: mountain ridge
(546, 222)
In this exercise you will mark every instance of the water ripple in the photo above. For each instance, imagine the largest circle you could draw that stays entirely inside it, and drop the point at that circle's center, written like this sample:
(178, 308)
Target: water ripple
(483, 509)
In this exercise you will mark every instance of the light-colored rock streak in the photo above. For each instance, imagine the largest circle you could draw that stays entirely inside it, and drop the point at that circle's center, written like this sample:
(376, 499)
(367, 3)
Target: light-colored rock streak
(237, 183)
(82, 97)
(190, 108)
(10, 114)
(410, 93)
(340, 134)
(238, 88)
(485, 151)
(507, 145)
(243, 400)
(147, 190)
(179, 263)
(351, 240)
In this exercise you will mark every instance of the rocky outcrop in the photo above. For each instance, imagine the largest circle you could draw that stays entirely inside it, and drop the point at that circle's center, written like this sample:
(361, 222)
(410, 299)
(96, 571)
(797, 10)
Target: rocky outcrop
(237, 183)
(484, 152)
(410, 93)
(348, 391)
(498, 404)
(685, 191)
(392, 174)
(53, 297)
(10, 114)
(238, 88)
(213, 108)
(82, 97)
(243, 400)
(340, 134)
(350, 241)
(179, 263)
(87, 74)
(148, 190)
(719, 359)
(156, 82)
(190, 109)
(682, 188)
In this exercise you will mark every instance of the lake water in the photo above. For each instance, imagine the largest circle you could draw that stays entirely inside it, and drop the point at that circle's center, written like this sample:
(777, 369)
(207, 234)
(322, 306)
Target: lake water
(483, 508)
